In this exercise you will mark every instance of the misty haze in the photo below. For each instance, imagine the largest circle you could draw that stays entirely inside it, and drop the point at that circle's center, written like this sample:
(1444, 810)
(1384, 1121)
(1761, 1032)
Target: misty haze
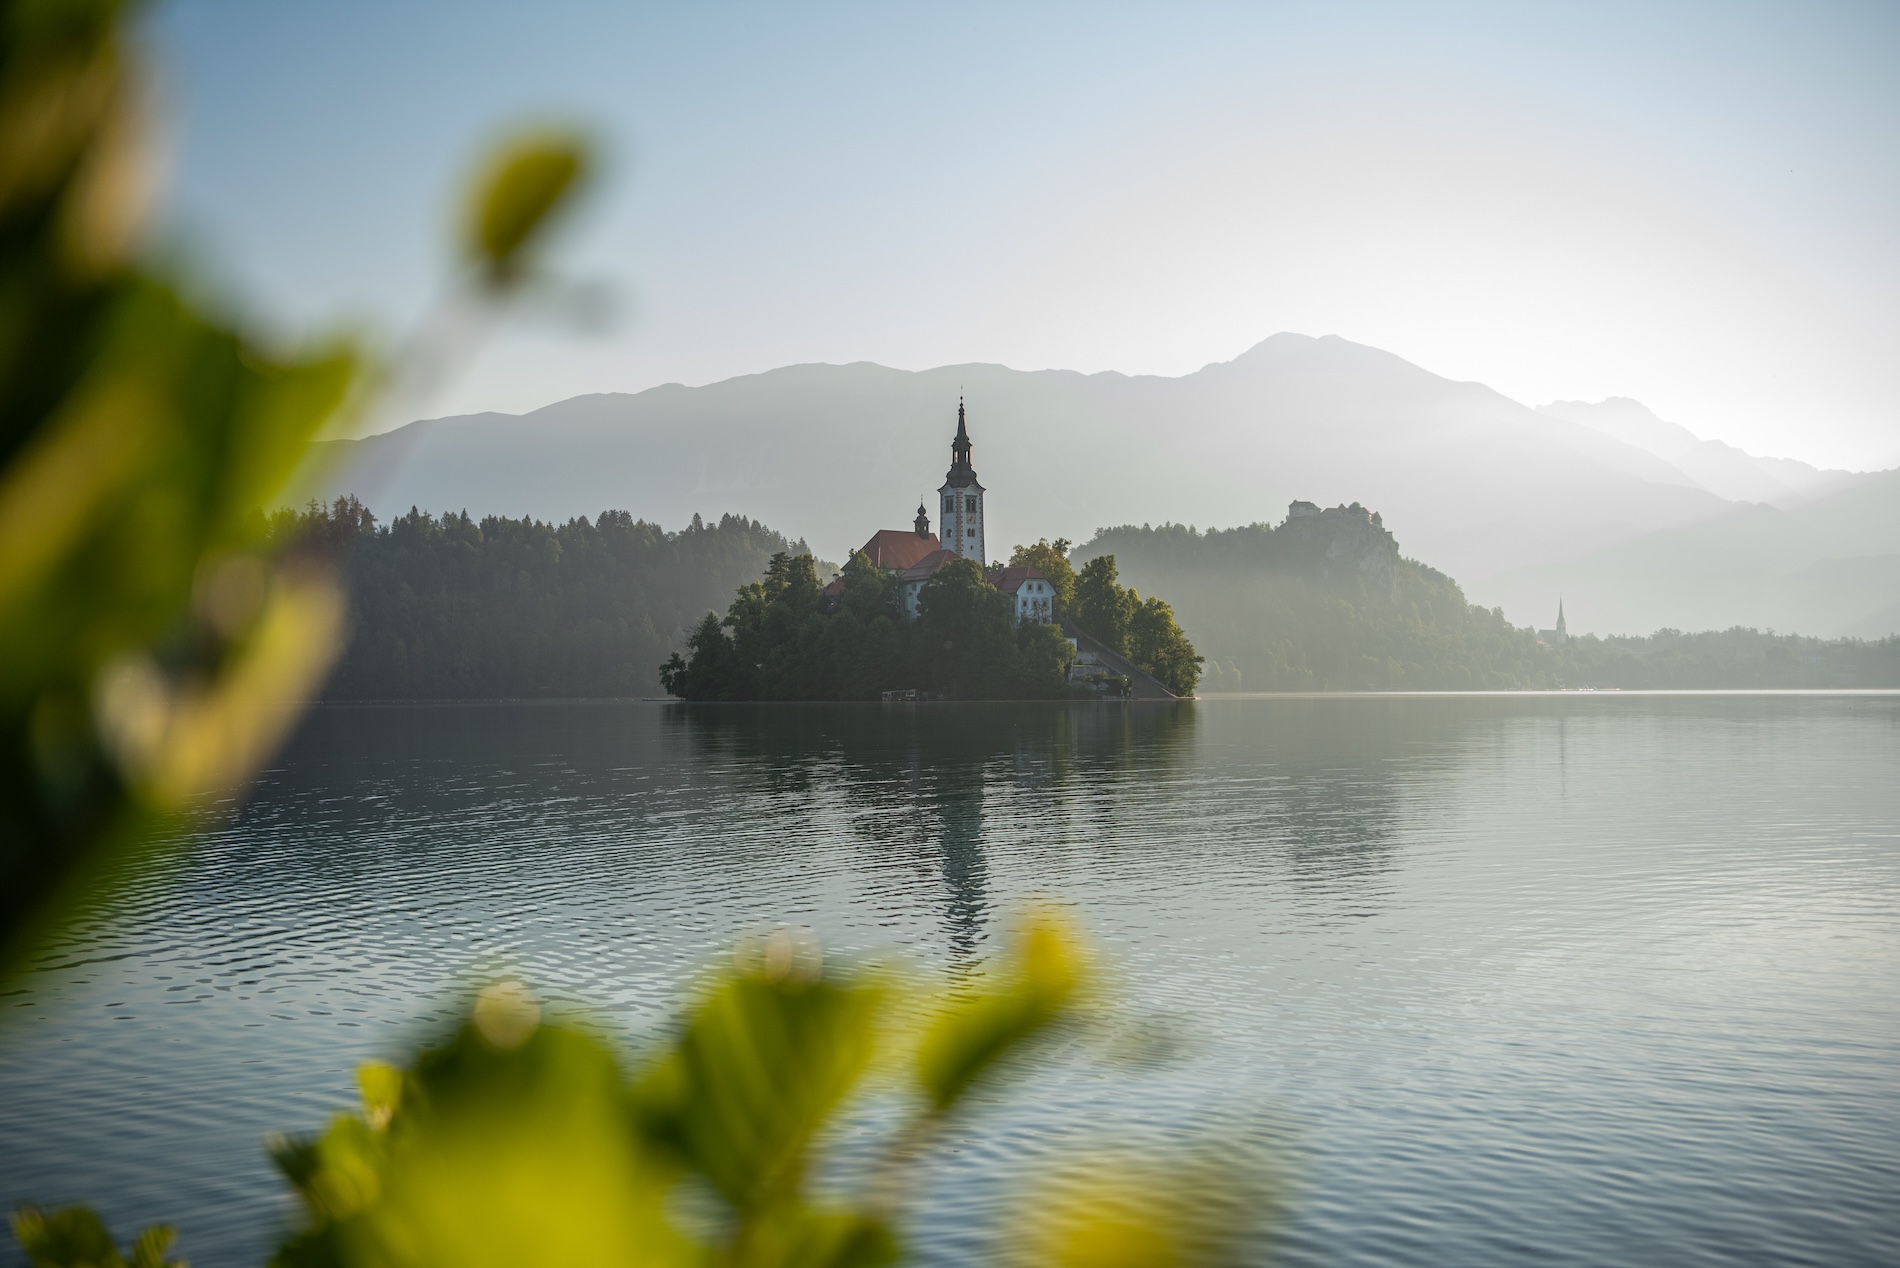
(1058, 636)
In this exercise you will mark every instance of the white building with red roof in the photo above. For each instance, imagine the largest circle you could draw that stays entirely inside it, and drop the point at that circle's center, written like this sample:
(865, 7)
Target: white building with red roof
(917, 554)
(1030, 587)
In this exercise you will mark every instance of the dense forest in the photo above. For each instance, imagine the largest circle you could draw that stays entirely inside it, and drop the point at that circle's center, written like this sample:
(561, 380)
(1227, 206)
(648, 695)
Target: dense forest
(782, 640)
(450, 607)
(1735, 658)
(1325, 602)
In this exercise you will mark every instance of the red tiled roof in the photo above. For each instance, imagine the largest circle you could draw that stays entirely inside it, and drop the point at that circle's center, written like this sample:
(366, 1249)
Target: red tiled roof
(899, 548)
(928, 565)
(1010, 579)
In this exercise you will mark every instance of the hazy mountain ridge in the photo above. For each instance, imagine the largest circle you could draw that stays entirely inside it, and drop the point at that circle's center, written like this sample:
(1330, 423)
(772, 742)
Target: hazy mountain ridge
(834, 452)
(1479, 485)
(1829, 567)
(1721, 468)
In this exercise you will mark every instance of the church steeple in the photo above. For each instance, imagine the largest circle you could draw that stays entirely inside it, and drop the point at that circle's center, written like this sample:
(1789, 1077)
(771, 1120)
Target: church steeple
(923, 520)
(961, 472)
(962, 523)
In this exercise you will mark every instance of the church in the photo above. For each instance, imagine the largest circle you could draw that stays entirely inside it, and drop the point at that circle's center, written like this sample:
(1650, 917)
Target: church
(1559, 636)
(916, 554)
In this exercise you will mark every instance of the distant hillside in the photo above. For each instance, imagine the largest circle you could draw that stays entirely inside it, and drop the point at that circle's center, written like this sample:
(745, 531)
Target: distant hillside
(1732, 659)
(831, 453)
(1720, 468)
(1827, 567)
(453, 608)
(1324, 602)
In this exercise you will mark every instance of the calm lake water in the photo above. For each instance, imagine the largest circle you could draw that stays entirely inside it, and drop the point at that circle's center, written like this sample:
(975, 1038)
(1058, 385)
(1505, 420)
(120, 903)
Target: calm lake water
(1565, 979)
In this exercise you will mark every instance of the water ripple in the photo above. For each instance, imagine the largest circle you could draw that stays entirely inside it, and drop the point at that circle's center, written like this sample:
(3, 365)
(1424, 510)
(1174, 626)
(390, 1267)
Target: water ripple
(1573, 980)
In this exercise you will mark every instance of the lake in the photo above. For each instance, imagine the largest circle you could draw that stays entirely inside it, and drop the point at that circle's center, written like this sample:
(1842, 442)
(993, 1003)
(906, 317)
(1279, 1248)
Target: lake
(1573, 979)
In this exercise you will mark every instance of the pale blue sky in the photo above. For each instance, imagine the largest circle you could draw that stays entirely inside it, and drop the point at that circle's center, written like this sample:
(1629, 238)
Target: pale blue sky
(1697, 205)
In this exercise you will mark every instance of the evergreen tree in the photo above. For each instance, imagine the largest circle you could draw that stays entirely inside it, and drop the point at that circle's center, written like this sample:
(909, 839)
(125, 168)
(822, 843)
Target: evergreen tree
(447, 607)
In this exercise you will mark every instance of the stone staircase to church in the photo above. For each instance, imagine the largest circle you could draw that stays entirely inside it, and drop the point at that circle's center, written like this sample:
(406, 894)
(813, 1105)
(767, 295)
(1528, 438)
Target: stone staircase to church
(1141, 684)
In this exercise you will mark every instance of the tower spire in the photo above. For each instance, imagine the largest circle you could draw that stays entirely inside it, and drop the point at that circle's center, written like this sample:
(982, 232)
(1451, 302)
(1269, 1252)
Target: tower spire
(962, 523)
(960, 450)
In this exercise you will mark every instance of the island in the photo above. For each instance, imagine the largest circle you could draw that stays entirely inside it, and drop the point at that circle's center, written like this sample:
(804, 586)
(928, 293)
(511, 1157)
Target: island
(915, 615)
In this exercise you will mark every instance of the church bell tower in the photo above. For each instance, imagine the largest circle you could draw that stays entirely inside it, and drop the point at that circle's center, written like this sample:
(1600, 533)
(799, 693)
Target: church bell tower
(962, 521)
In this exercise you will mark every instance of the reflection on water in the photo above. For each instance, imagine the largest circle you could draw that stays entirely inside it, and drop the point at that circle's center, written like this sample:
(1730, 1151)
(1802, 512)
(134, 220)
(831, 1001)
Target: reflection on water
(912, 781)
(1571, 979)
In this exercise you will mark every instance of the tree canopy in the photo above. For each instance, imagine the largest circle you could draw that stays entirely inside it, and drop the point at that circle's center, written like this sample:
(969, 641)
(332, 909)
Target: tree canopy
(782, 640)
(1328, 603)
(450, 607)
(1143, 630)
(1052, 560)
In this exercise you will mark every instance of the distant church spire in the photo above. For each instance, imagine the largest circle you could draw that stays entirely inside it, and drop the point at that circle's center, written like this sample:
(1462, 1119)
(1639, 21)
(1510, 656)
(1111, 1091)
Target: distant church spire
(1562, 631)
(923, 519)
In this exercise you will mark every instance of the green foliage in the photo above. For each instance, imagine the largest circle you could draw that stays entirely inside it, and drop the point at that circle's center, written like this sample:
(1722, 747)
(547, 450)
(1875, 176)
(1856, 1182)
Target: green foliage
(1733, 658)
(1157, 644)
(525, 182)
(75, 1237)
(1122, 1211)
(1052, 559)
(781, 640)
(510, 1143)
(456, 608)
(159, 643)
(519, 1143)
(1102, 607)
(154, 649)
(1144, 632)
(974, 1034)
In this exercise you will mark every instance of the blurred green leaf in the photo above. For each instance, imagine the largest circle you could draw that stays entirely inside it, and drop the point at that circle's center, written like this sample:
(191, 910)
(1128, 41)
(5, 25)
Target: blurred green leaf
(1035, 986)
(1121, 1210)
(520, 1155)
(75, 1237)
(802, 1236)
(139, 437)
(381, 1086)
(759, 1066)
(523, 185)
